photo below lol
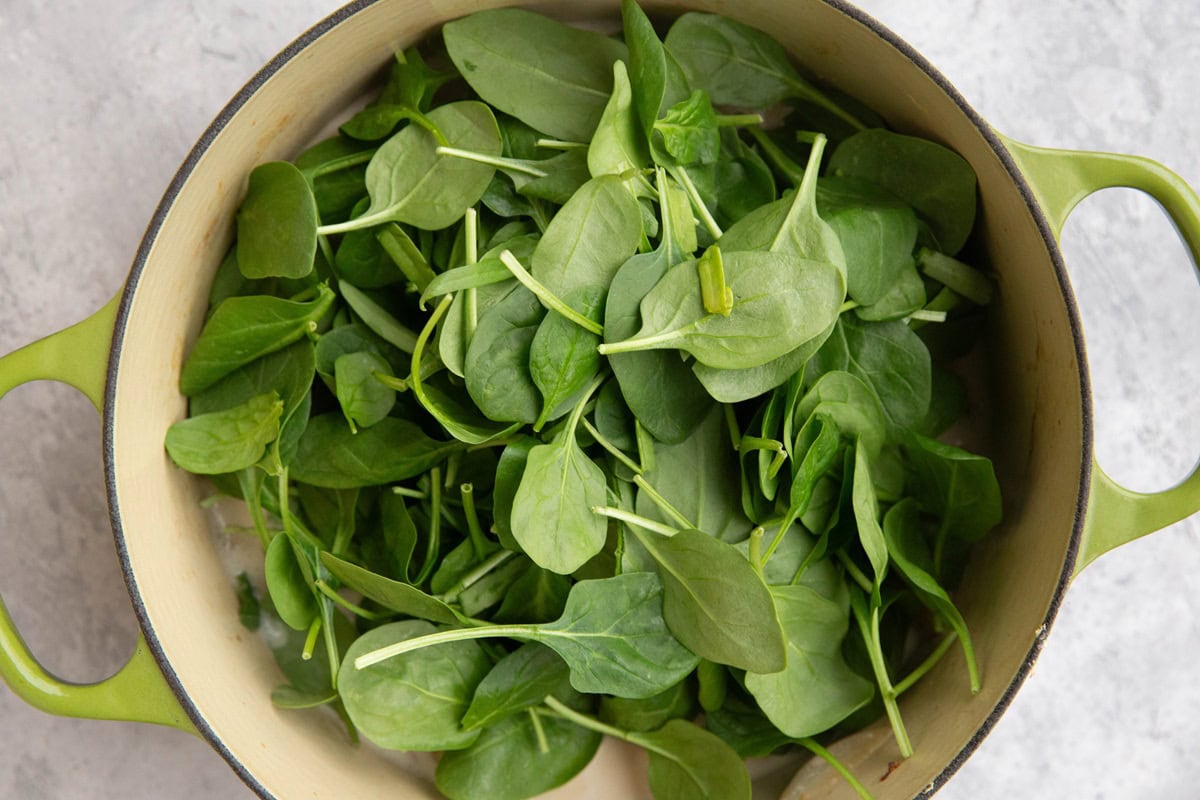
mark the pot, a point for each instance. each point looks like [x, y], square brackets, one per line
[1061, 510]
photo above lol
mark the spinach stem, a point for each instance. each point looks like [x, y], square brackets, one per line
[509, 164]
[838, 767]
[392, 382]
[577, 412]
[849, 305]
[664, 505]
[538, 731]
[251, 492]
[805, 91]
[377, 218]
[782, 161]
[336, 164]
[926, 665]
[756, 555]
[644, 343]
[548, 298]
[645, 445]
[869, 628]
[479, 542]
[925, 315]
[445, 637]
[404, 491]
[613, 450]
[735, 432]
[855, 573]
[635, 519]
[738, 120]
[559, 144]
[357, 610]
[470, 303]
[310, 641]
[582, 720]
[435, 526]
[697, 203]
[475, 575]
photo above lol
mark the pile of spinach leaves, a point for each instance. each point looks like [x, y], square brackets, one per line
[569, 399]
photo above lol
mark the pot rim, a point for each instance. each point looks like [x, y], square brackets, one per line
[183, 174]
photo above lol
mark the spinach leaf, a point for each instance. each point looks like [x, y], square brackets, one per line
[413, 702]
[650, 713]
[689, 763]
[658, 83]
[290, 594]
[589, 238]
[520, 680]
[700, 478]
[243, 329]
[890, 358]
[393, 595]
[377, 318]
[934, 180]
[657, 386]
[552, 515]
[762, 324]
[509, 472]
[409, 92]
[866, 516]
[817, 689]
[877, 233]
[507, 762]
[226, 441]
[539, 595]
[277, 223]
[562, 356]
[907, 549]
[331, 456]
[958, 486]
[410, 182]
[740, 66]
[688, 133]
[618, 146]
[365, 400]
[553, 77]
[497, 359]
[714, 602]
[613, 636]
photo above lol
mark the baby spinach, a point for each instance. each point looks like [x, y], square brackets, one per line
[552, 517]
[753, 471]
[226, 441]
[715, 603]
[937, 182]
[433, 686]
[520, 680]
[243, 329]
[760, 326]
[507, 762]
[409, 182]
[332, 456]
[277, 224]
[553, 77]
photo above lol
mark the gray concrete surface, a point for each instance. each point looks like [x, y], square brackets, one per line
[99, 102]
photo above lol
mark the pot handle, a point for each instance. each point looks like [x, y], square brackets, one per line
[1061, 179]
[138, 692]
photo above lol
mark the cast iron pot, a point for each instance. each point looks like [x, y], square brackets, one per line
[193, 668]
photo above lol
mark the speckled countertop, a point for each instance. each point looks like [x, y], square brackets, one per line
[100, 102]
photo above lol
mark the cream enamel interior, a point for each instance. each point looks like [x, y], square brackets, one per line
[1035, 394]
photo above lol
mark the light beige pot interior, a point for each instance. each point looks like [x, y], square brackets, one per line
[1037, 432]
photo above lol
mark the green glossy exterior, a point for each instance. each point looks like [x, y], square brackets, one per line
[78, 357]
[1061, 179]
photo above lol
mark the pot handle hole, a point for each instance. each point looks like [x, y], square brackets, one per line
[138, 692]
[1060, 180]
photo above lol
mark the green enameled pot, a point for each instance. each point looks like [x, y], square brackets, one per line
[193, 667]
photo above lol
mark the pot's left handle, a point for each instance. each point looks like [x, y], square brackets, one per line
[1061, 179]
[78, 356]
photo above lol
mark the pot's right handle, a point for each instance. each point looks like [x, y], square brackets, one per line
[77, 356]
[1060, 179]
